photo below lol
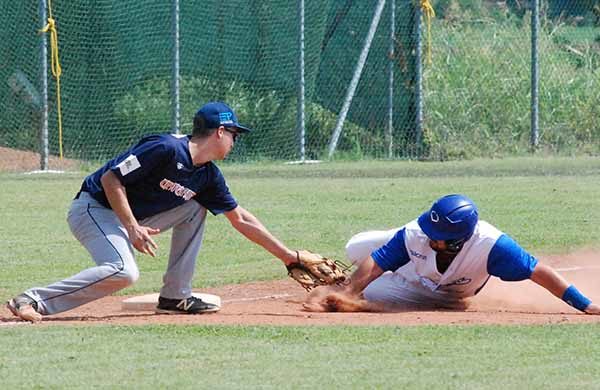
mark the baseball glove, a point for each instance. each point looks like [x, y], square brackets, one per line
[312, 270]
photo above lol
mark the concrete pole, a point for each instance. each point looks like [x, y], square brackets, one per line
[355, 78]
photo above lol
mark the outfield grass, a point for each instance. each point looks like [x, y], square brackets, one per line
[548, 205]
[549, 357]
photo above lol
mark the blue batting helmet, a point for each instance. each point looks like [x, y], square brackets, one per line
[452, 217]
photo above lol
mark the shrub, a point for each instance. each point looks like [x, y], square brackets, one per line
[477, 92]
[147, 107]
[272, 115]
[355, 142]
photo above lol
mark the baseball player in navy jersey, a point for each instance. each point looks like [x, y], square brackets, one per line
[163, 182]
[437, 260]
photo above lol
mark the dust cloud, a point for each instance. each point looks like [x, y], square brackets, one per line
[581, 268]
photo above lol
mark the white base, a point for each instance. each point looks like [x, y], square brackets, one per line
[148, 302]
[46, 171]
[300, 162]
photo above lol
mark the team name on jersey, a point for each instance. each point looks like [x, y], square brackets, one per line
[418, 255]
[177, 189]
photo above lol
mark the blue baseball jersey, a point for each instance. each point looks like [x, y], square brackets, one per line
[487, 252]
[158, 175]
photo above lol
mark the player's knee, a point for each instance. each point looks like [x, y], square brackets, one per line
[123, 275]
[355, 250]
[129, 275]
[361, 245]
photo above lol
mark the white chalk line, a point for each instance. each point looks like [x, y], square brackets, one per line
[275, 296]
[577, 268]
[14, 323]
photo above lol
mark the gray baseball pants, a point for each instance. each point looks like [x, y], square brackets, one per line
[99, 230]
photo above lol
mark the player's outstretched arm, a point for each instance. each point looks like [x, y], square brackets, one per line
[367, 271]
[547, 277]
[247, 224]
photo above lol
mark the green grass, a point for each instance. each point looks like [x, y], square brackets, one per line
[477, 94]
[548, 205]
[318, 207]
[550, 357]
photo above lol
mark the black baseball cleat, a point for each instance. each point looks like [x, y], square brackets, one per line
[191, 305]
[25, 308]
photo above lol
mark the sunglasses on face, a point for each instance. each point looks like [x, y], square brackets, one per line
[234, 133]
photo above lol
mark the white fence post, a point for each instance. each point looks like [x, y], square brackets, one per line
[355, 78]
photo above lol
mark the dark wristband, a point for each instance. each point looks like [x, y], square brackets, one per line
[575, 298]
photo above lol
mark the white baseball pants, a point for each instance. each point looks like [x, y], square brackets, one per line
[398, 288]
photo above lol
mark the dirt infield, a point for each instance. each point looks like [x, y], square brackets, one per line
[279, 303]
[12, 160]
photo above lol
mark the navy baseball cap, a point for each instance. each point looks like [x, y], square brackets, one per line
[216, 114]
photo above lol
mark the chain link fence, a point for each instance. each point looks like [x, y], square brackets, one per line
[512, 77]
[569, 56]
[316, 79]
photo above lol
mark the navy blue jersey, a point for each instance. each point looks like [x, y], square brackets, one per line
[158, 175]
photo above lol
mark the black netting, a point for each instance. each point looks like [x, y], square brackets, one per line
[117, 60]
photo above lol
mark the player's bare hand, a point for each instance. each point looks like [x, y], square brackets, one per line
[593, 309]
[336, 299]
[314, 301]
[140, 237]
